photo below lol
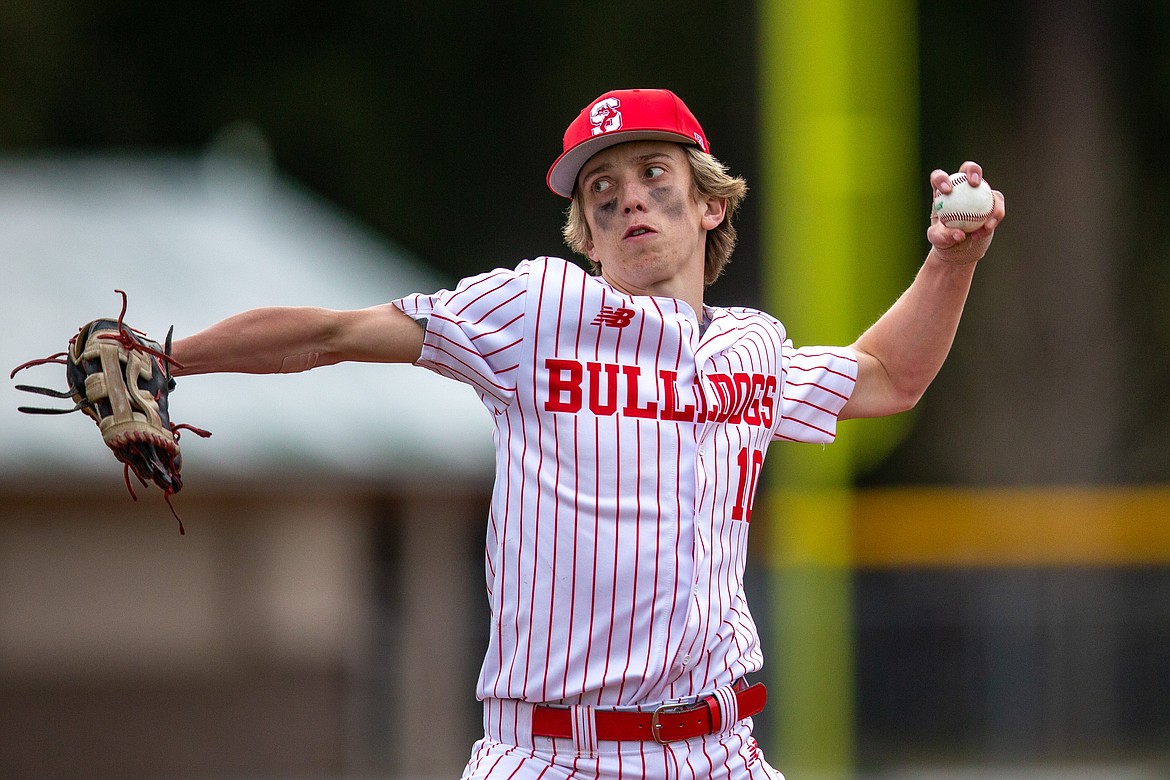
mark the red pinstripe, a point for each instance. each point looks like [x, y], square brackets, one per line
[614, 567]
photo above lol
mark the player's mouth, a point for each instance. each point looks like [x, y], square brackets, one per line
[636, 231]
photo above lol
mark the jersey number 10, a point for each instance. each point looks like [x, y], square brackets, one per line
[750, 462]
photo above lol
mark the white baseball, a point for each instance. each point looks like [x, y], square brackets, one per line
[964, 207]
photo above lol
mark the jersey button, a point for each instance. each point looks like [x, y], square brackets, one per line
[686, 659]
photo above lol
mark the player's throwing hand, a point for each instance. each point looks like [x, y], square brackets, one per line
[949, 242]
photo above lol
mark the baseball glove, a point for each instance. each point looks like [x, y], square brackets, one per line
[122, 380]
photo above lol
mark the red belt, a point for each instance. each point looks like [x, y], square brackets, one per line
[668, 723]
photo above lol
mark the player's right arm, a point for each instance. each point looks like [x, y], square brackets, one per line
[282, 339]
[899, 355]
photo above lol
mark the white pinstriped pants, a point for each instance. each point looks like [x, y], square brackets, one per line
[508, 751]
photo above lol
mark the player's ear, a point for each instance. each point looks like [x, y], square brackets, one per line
[715, 213]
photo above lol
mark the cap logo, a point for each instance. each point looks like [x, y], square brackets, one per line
[605, 117]
[701, 141]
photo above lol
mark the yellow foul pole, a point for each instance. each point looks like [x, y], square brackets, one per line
[842, 237]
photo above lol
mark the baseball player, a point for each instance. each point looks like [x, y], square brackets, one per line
[631, 425]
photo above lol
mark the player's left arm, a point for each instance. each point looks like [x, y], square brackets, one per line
[900, 354]
[286, 339]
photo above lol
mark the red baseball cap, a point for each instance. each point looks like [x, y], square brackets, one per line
[620, 116]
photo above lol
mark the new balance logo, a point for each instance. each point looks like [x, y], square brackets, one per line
[614, 317]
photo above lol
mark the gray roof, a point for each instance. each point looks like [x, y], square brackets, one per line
[192, 240]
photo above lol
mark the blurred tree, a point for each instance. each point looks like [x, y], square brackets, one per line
[1140, 74]
[1069, 321]
[433, 122]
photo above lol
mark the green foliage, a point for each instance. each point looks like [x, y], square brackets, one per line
[434, 122]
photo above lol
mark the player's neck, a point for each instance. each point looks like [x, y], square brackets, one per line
[680, 281]
[667, 289]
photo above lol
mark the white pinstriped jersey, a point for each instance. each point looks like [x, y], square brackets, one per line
[628, 446]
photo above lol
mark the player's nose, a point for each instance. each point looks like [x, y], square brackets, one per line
[633, 197]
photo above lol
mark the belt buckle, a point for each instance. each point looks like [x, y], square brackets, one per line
[656, 723]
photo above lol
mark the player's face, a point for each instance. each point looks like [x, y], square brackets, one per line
[648, 225]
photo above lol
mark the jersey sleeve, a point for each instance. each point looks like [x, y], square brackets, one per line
[817, 383]
[474, 332]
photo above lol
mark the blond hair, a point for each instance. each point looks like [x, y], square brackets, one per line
[711, 180]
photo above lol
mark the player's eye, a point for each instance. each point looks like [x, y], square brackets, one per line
[600, 185]
[654, 171]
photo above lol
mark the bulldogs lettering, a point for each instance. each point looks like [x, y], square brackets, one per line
[606, 389]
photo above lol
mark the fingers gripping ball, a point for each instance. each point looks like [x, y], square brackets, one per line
[121, 380]
[964, 207]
